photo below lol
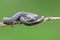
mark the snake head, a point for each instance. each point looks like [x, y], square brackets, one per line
[32, 16]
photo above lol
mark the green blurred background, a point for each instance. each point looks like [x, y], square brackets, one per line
[44, 31]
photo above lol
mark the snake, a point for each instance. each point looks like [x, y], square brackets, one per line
[19, 16]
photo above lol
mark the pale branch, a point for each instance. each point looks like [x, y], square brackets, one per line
[51, 18]
[45, 19]
[14, 23]
[2, 25]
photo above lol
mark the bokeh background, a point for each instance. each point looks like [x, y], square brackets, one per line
[44, 31]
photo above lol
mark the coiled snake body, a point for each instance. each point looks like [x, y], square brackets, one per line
[20, 17]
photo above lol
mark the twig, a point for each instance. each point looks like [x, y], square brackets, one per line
[14, 23]
[46, 19]
[51, 18]
[2, 25]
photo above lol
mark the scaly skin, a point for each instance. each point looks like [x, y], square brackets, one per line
[32, 22]
[17, 16]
